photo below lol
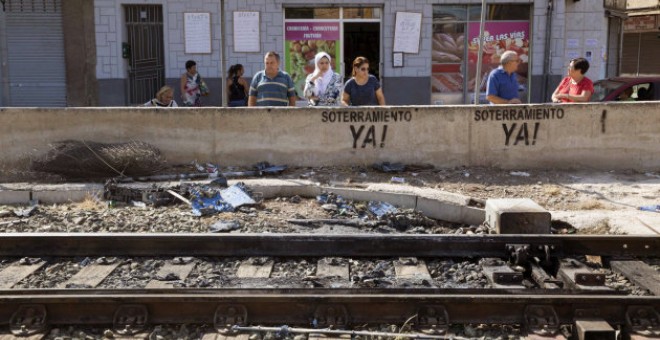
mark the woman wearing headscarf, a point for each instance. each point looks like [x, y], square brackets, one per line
[323, 86]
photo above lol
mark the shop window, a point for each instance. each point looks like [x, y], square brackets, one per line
[311, 13]
[506, 12]
[449, 13]
[362, 13]
[455, 48]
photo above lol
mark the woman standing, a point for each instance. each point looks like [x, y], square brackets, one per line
[323, 86]
[363, 88]
[575, 87]
[237, 87]
[164, 98]
[192, 85]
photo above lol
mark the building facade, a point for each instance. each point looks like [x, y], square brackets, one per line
[119, 52]
[641, 38]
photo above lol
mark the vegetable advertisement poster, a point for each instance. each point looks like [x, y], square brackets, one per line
[302, 41]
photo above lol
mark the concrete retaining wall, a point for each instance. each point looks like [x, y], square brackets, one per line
[599, 136]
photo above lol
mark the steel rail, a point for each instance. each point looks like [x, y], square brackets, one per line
[288, 245]
[277, 308]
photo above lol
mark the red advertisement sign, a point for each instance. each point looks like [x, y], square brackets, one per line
[499, 37]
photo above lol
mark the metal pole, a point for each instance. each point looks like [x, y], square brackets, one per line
[546, 60]
[477, 79]
[223, 55]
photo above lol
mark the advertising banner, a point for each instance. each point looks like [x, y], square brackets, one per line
[499, 37]
[302, 41]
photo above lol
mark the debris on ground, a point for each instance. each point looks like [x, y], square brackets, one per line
[389, 167]
[519, 173]
[259, 169]
[653, 208]
[25, 212]
[207, 200]
[80, 159]
[381, 208]
[225, 226]
[153, 196]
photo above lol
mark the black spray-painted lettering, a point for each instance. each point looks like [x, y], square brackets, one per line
[522, 135]
[513, 114]
[376, 116]
[370, 137]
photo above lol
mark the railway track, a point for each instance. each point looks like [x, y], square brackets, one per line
[429, 282]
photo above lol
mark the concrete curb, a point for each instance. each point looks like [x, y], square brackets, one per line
[432, 202]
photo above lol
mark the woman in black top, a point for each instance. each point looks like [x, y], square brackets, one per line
[363, 88]
[237, 87]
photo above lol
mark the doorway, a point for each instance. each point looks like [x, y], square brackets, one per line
[362, 39]
[146, 61]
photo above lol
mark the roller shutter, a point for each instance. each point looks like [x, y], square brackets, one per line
[35, 44]
[649, 53]
[640, 51]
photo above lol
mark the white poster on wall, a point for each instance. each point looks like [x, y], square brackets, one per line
[246, 32]
[407, 32]
[197, 32]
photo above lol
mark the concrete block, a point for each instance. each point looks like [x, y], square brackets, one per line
[51, 194]
[399, 200]
[517, 216]
[270, 188]
[450, 211]
[14, 197]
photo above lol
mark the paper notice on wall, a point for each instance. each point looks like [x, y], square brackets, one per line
[591, 42]
[570, 55]
[246, 32]
[197, 32]
[407, 31]
[572, 43]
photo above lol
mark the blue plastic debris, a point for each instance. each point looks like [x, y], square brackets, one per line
[266, 168]
[389, 167]
[381, 208]
[207, 200]
[653, 208]
[343, 206]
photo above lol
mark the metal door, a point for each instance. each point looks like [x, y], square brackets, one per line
[146, 71]
[35, 51]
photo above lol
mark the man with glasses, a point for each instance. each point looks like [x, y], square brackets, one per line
[502, 85]
[272, 87]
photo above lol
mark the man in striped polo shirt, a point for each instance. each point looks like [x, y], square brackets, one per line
[272, 87]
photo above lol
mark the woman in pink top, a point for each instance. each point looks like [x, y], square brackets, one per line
[575, 87]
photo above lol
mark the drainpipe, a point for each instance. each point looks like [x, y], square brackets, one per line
[620, 48]
[546, 62]
[223, 54]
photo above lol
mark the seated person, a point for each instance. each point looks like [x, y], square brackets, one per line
[626, 95]
[642, 94]
[164, 98]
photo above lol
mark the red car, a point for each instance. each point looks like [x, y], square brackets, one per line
[626, 89]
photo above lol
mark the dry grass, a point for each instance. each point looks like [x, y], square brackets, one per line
[552, 190]
[590, 204]
[91, 202]
[602, 227]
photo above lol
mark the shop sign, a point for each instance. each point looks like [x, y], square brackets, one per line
[302, 41]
